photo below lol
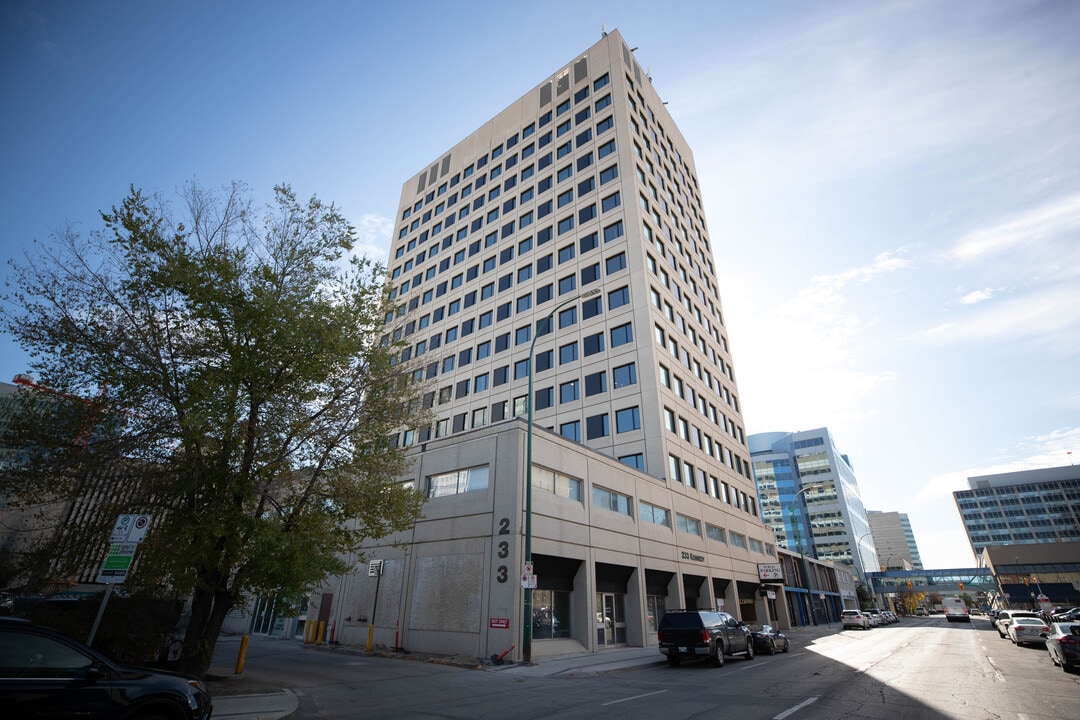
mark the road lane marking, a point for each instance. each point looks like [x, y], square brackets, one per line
[636, 697]
[800, 706]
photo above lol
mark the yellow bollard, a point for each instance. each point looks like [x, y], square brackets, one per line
[370, 633]
[242, 654]
[322, 632]
[309, 628]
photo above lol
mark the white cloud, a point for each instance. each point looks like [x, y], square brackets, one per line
[1030, 453]
[976, 296]
[1049, 316]
[374, 233]
[1046, 222]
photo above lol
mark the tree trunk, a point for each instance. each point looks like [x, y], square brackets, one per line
[208, 611]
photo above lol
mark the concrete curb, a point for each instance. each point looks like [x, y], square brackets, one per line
[264, 706]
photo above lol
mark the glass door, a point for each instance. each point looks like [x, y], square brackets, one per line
[610, 620]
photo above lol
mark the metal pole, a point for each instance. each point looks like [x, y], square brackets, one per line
[100, 613]
[526, 621]
[374, 606]
[798, 541]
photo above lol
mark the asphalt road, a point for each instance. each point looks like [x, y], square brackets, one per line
[920, 669]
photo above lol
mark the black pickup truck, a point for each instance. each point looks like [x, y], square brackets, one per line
[700, 634]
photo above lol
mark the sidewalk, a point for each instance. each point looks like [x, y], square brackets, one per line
[274, 705]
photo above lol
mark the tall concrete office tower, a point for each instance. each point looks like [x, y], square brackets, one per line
[563, 247]
[894, 540]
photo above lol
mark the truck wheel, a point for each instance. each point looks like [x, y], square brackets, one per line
[749, 648]
[717, 658]
[674, 660]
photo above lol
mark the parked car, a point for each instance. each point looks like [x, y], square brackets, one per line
[1027, 630]
[876, 618]
[855, 619]
[1067, 617]
[1005, 617]
[890, 616]
[1063, 644]
[45, 674]
[700, 634]
[1061, 611]
[921, 612]
[768, 639]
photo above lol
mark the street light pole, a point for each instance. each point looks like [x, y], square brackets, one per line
[798, 541]
[526, 622]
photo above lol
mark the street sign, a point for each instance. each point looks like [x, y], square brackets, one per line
[528, 567]
[130, 528]
[374, 568]
[117, 563]
[528, 581]
[770, 571]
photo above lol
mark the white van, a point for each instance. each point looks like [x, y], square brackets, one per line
[955, 609]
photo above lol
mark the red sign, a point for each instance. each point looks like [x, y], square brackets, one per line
[499, 623]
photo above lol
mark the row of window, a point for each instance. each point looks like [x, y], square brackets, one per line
[510, 142]
[546, 480]
[585, 213]
[445, 216]
[685, 473]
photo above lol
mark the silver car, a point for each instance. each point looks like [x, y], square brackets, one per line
[855, 619]
[1005, 618]
[1028, 630]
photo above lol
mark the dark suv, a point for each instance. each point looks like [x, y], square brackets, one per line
[700, 634]
[45, 674]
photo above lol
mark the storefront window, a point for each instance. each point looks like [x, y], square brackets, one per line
[551, 614]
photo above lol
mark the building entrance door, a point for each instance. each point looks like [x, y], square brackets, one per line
[610, 620]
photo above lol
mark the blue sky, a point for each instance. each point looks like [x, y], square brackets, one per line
[892, 188]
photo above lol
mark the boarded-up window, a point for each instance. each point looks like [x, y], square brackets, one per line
[581, 70]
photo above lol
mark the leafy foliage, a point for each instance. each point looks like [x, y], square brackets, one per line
[236, 371]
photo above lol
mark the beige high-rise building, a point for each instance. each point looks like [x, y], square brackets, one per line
[564, 245]
[894, 540]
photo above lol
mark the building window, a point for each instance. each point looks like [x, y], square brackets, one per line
[636, 461]
[613, 501]
[613, 231]
[597, 426]
[571, 430]
[688, 525]
[624, 375]
[653, 514]
[715, 533]
[627, 419]
[737, 540]
[593, 344]
[456, 483]
[615, 263]
[595, 383]
[621, 335]
[569, 391]
[568, 353]
[618, 298]
[557, 484]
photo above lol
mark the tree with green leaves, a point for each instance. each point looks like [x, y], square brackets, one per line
[228, 373]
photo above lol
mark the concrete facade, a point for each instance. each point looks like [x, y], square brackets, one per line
[561, 248]
[894, 540]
